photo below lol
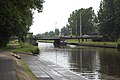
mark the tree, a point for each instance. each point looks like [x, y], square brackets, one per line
[117, 18]
[57, 32]
[87, 18]
[16, 18]
[108, 16]
[51, 34]
[64, 31]
[46, 34]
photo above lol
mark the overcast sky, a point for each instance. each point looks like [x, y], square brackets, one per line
[57, 12]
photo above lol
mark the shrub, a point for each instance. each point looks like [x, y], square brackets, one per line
[26, 47]
[35, 50]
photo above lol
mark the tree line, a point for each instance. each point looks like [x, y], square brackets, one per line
[106, 22]
[109, 19]
[84, 18]
[63, 32]
[72, 28]
[16, 17]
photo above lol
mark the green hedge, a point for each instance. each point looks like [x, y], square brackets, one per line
[26, 47]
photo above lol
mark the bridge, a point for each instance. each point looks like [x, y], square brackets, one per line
[61, 40]
[67, 37]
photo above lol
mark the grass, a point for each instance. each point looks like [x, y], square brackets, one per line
[5, 48]
[26, 47]
[109, 44]
[72, 41]
[21, 50]
[47, 41]
[89, 42]
[2, 48]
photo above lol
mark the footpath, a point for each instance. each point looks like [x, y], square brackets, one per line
[42, 69]
[46, 70]
[7, 66]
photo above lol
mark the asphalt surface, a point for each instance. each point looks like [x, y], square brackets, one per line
[7, 66]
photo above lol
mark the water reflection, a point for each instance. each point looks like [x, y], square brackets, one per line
[92, 63]
[109, 63]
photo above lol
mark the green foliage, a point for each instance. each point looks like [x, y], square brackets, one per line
[103, 44]
[51, 34]
[31, 48]
[57, 32]
[65, 31]
[46, 41]
[26, 47]
[72, 41]
[29, 38]
[109, 19]
[16, 17]
[21, 50]
[34, 49]
[83, 16]
[90, 43]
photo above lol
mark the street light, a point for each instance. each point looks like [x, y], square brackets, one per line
[55, 28]
[80, 25]
[76, 28]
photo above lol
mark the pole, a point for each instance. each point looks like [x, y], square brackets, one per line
[76, 27]
[80, 25]
[55, 28]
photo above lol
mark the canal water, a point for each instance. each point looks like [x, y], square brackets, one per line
[90, 62]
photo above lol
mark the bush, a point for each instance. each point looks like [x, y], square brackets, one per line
[26, 47]
[35, 50]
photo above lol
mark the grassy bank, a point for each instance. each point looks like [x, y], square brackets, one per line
[94, 44]
[46, 41]
[100, 44]
[26, 47]
[87, 42]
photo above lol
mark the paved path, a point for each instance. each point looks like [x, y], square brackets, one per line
[46, 70]
[7, 67]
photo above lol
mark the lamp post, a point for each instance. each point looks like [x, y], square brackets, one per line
[80, 25]
[55, 29]
[76, 28]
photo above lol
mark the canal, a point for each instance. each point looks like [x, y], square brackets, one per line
[90, 62]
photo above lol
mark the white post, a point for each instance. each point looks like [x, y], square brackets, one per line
[76, 27]
[80, 25]
[55, 28]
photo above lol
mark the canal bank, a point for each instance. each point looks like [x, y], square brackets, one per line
[89, 43]
[97, 44]
[47, 70]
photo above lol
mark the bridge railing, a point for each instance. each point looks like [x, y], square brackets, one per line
[74, 37]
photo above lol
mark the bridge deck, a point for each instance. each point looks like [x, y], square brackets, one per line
[78, 37]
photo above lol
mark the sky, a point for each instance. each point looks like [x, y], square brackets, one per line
[56, 13]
